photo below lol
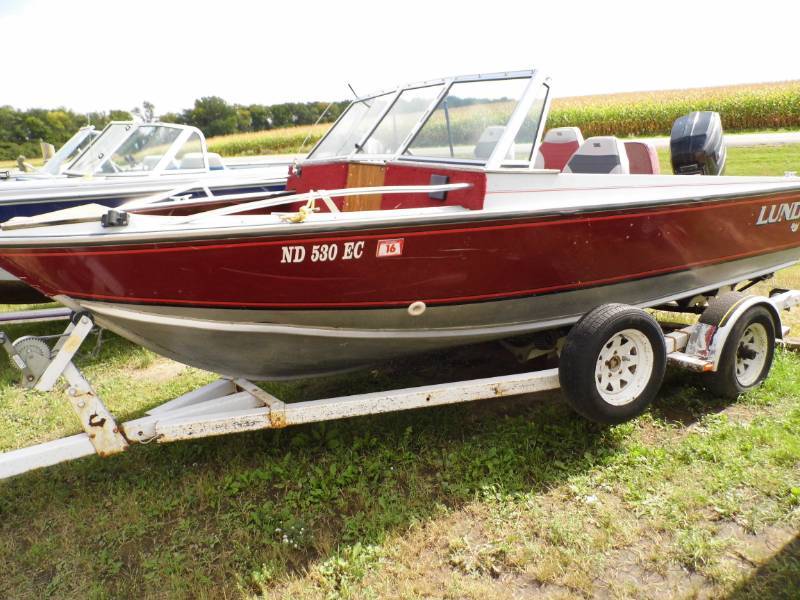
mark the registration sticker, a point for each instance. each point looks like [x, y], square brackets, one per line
[389, 248]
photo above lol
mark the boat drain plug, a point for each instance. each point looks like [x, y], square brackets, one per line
[415, 309]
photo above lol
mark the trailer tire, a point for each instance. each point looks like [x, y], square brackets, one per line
[721, 307]
[613, 363]
[747, 355]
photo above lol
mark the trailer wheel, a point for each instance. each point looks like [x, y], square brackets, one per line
[613, 363]
[746, 357]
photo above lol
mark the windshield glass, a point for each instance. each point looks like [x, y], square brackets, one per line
[404, 115]
[70, 150]
[353, 125]
[109, 139]
[142, 151]
[469, 120]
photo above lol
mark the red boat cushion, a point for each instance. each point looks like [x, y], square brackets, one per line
[642, 158]
[558, 145]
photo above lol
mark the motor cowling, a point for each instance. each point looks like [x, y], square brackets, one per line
[697, 144]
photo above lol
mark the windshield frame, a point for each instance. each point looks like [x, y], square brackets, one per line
[497, 157]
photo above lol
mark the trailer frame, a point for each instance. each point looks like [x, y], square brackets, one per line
[233, 405]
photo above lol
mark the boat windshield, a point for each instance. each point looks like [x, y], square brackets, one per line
[461, 119]
[82, 139]
[110, 138]
[353, 125]
[410, 106]
[469, 120]
[142, 151]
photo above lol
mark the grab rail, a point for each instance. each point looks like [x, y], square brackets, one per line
[321, 194]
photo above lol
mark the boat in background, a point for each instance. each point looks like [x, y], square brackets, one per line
[420, 221]
[56, 163]
[127, 160]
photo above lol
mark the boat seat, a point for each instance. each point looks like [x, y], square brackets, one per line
[215, 162]
[557, 147]
[151, 161]
[600, 155]
[488, 140]
[642, 158]
[194, 160]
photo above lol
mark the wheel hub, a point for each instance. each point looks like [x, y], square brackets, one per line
[624, 367]
[751, 354]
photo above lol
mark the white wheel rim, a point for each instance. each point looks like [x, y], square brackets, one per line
[751, 354]
[624, 367]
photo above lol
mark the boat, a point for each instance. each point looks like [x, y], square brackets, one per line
[420, 221]
[125, 161]
[56, 164]
[128, 160]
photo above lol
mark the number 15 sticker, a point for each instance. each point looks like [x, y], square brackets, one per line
[389, 248]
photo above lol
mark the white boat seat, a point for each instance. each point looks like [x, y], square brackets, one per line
[215, 162]
[600, 155]
[150, 162]
[194, 160]
[557, 147]
[488, 140]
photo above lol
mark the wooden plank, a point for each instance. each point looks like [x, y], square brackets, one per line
[364, 175]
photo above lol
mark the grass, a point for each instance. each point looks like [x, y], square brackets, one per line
[754, 160]
[496, 499]
[12, 164]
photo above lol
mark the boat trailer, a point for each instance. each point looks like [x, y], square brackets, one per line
[232, 405]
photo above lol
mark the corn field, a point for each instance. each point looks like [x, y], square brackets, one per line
[742, 107]
[748, 107]
[287, 140]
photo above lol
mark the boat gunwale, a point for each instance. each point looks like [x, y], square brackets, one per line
[412, 219]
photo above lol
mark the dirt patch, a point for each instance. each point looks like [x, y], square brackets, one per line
[162, 369]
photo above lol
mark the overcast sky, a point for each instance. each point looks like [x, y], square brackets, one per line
[102, 54]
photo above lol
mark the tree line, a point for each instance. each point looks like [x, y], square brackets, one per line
[22, 130]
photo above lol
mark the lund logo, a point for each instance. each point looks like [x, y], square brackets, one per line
[778, 213]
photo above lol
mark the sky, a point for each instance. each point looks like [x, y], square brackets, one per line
[102, 54]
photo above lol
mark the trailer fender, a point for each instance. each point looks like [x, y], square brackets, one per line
[718, 320]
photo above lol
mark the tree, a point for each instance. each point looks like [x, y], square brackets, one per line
[261, 117]
[172, 117]
[212, 115]
[244, 120]
[146, 112]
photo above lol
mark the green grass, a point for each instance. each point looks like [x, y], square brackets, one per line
[754, 160]
[495, 499]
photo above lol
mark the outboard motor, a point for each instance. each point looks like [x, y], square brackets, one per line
[697, 145]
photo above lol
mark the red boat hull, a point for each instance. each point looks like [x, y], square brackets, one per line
[456, 263]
